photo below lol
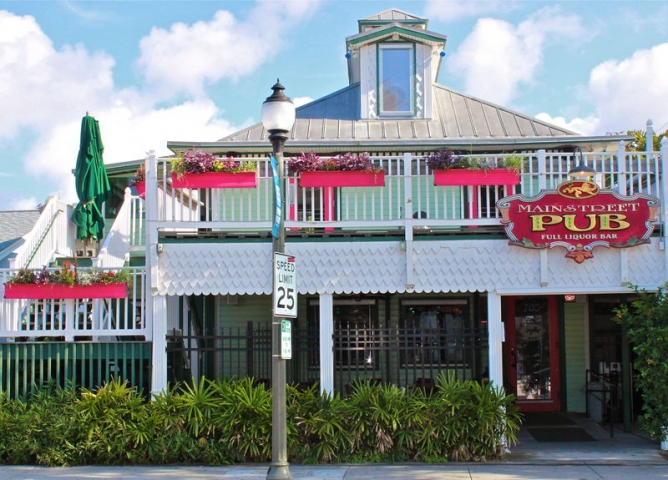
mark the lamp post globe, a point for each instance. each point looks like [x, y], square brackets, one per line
[278, 111]
[278, 117]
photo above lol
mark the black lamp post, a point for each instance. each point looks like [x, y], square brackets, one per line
[580, 170]
[278, 117]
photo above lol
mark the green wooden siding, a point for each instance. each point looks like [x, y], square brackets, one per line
[575, 356]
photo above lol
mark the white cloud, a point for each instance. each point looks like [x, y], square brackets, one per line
[187, 58]
[25, 203]
[127, 134]
[58, 83]
[299, 101]
[450, 10]
[584, 126]
[62, 84]
[498, 57]
[629, 92]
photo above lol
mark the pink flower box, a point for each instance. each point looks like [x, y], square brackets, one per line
[62, 291]
[215, 180]
[342, 178]
[465, 177]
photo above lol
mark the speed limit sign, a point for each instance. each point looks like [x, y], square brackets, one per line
[285, 286]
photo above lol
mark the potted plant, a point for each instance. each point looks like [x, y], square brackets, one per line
[451, 169]
[199, 169]
[347, 170]
[139, 181]
[68, 282]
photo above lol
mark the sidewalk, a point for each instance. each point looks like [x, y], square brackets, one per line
[626, 456]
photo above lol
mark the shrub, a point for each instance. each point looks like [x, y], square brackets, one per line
[217, 422]
[646, 321]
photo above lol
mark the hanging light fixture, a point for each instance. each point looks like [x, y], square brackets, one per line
[580, 170]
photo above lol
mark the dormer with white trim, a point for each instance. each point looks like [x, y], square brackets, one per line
[395, 60]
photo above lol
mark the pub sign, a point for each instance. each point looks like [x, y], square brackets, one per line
[579, 217]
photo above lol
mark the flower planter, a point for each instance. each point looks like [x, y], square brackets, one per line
[60, 291]
[342, 178]
[141, 189]
[215, 180]
[464, 177]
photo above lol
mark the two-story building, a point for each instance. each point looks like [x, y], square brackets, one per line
[397, 282]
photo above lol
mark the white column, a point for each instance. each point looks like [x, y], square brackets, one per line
[326, 342]
[156, 306]
[496, 337]
[158, 313]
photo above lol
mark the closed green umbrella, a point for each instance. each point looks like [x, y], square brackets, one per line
[91, 181]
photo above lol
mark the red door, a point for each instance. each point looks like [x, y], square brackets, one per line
[532, 352]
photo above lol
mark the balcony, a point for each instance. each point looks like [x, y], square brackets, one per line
[409, 201]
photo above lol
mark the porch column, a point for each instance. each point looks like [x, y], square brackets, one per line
[326, 309]
[156, 305]
[496, 337]
[158, 319]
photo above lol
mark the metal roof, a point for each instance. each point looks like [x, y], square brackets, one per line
[459, 121]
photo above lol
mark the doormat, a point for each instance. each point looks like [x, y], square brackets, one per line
[545, 419]
[569, 434]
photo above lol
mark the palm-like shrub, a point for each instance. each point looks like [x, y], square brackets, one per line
[225, 421]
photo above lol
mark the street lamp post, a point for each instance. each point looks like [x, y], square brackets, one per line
[278, 117]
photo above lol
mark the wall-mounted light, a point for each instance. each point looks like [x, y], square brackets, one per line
[580, 170]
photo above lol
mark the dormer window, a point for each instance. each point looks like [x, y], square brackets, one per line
[396, 84]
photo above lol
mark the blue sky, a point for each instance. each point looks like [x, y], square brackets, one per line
[169, 70]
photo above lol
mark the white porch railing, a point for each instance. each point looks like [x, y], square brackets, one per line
[409, 197]
[126, 233]
[53, 234]
[75, 319]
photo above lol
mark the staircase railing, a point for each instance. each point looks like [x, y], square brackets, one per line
[124, 234]
[604, 389]
[51, 235]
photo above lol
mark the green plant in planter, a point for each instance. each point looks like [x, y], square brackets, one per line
[70, 274]
[513, 162]
[445, 159]
[198, 161]
[311, 162]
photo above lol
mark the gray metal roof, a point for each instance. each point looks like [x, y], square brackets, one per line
[333, 123]
[14, 225]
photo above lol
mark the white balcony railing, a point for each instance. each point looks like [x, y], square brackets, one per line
[409, 197]
[75, 319]
[52, 235]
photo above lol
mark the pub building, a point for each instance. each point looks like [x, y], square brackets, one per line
[504, 275]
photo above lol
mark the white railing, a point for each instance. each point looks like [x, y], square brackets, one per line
[408, 199]
[126, 232]
[74, 319]
[52, 234]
